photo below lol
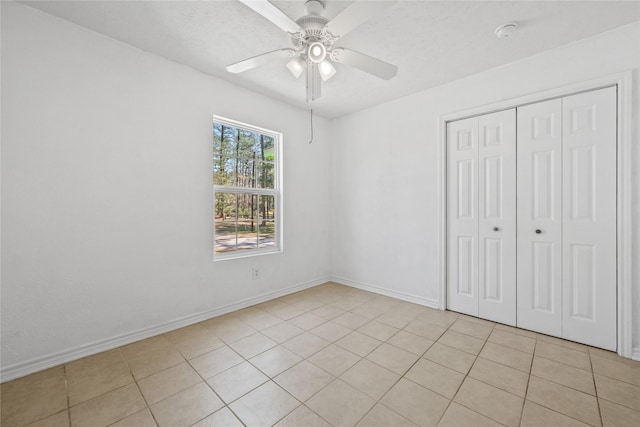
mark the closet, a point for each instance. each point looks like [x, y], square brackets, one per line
[531, 217]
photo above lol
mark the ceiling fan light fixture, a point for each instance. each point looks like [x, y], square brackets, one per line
[316, 52]
[326, 70]
[296, 66]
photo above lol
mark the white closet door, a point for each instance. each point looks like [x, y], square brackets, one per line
[540, 217]
[589, 211]
[462, 217]
[497, 216]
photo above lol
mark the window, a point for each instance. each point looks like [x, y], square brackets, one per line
[246, 189]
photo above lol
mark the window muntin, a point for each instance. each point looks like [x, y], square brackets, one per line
[246, 186]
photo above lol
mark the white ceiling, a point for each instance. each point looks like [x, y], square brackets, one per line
[431, 42]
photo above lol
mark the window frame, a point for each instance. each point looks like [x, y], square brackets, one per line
[276, 192]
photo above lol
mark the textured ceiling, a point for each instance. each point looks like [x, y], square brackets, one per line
[431, 42]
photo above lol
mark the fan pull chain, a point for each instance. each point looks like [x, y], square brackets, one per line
[310, 141]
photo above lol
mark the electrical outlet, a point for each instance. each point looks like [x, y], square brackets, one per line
[256, 273]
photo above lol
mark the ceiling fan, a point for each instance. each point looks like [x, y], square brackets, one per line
[313, 38]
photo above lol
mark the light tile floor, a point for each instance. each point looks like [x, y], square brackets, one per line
[333, 355]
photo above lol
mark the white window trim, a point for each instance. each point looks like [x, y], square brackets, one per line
[276, 191]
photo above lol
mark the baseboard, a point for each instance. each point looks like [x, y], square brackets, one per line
[387, 292]
[635, 354]
[40, 363]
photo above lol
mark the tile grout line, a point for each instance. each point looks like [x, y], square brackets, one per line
[593, 376]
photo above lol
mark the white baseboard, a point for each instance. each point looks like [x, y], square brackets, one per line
[386, 292]
[21, 369]
[635, 354]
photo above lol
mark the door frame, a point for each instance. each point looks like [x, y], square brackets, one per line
[623, 83]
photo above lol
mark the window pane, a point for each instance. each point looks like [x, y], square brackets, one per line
[223, 170]
[246, 173]
[247, 221]
[267, 229]
[225, 222]
[265, 175]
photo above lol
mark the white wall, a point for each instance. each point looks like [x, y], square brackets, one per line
[385, 176]
[107, 198]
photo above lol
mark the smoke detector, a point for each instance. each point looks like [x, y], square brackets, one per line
[505, 30]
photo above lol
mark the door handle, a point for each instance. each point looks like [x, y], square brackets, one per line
[496, 229]
[538, 231]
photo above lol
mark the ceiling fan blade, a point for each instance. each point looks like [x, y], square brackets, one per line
[355, 14]
[256, 61]
[363, 62]
[273, 14]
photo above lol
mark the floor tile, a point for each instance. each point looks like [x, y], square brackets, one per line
[139, 419]
[229, 330]
[150, 356]
[286, 311]
[358, 343]
[490, 401]
[194, 347]
[61, 419]
[328, 312]
[221, 418]
[306, 344]
[186, 407]
[610, 355]
[340, 404]
[95, 362]
[264, 406]
[168, 382]
[253, 345]
[410, 342]
[462, 342]
[371, 310]
[619, 392]
[507, 356]
[262, 321]
[237, 381]
[302, 416]
[471, 328]
[282, 332]
[423, 328]
[216, 361]
[517, 331]
[572, 403]
[563, 343]
[393, 358]
[516, 342]
[276, 360]
[371, 379]
[614, 415]
[435, 377]
[334, 359]
[438, 317]
[330, 331]
[616, 369]
[381, 416]
[419, 405]
[378, 330]
[307, 321]
[500, 376]
[86, 384]
[33, 397]
[351, 320]
[196, 331]
[475, 319]
[108, 408]
[304, 380]
[575, 358]
[396, 317]
[563, 374]
[459, 416]
[457, 360]
[535, 415]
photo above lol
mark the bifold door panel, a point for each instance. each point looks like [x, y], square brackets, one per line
[531, 222]
[481, 225]
[589, 218]
[540, 217]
